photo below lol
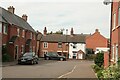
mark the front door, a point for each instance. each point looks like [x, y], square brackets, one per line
[16, 52]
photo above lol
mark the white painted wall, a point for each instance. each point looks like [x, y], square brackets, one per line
[79, 46]
[99, 49]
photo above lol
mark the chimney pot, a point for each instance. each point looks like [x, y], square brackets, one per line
[72, 31]
[97, 30]
[24, 16]
[11, 9]
[45, 31]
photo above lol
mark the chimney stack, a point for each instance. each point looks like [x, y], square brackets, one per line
[96, 30]
[71, 31]
[11, 9]
[24, 16]
[45, 31]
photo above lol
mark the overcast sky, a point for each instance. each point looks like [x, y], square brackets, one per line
[83, 15]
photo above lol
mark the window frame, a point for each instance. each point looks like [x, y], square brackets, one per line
[23, 33]
[18, 32]
[59, 44]
[45, 45]
[5, 28]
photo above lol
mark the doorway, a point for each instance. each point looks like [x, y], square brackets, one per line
[16, 52]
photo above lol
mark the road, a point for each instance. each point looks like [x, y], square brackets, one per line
[51, 69]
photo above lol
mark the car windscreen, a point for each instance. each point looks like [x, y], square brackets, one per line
[28, 54]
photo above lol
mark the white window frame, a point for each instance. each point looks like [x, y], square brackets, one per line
[0, 27]
[116, 54]
[59, 44]
[114, 21]
[45, 52]
[45, 45]
[34, 48]
[34, 36]
[113, 52]
[23, 33]
[5, 28]
[22, 47]
[119, 16]
[31, 35]
[18, 32]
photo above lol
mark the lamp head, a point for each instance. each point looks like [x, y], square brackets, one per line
[106, 2]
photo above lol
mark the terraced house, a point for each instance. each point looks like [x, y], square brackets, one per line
[115, 31]
[17, 34]
[72, 46]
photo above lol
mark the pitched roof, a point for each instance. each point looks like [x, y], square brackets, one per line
[76, 38]
[8, 17]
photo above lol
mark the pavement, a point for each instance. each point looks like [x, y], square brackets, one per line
[13, 63]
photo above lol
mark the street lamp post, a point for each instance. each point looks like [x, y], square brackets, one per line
[66, 43]
[107, 2]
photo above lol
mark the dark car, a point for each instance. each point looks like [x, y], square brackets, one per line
[28, 58]
[54, 56]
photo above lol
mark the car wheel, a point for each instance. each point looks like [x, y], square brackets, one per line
[47, 58]
[61, 59]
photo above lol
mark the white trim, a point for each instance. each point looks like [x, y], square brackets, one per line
[59, 51]
[65, 51]
[45, 44]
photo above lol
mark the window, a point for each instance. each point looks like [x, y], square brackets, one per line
[74, 45]
[18, 32]
[59, 44]
[5, 28]
[113, 52]
[119, 17]
[33, 48]
[34, 36]
[23, 33]
[45, 45]
[22, 49]
[114, 20]
[0, 27]
[45, 52]
[31, 35]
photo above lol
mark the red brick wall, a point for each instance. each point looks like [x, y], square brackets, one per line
[115, 32]
[106, 59]
[12, 31]
[96, 40]
[52, 47]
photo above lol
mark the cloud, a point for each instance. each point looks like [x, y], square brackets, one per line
[84, 17]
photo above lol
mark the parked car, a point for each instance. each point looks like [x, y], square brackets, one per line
[28, 58]
[54, 56]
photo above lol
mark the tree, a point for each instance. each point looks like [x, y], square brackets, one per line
[99, 60]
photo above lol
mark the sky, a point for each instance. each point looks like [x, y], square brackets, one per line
[84, 16]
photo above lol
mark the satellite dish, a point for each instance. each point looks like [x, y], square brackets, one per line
[106, 2]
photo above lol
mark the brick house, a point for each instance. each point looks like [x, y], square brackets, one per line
[96, 40]
[115, 32]
[59, 43]
[17, 35]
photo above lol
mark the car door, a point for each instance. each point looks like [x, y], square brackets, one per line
[55, 56]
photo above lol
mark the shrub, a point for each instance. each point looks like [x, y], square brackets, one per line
[97, 68]
[99, 60]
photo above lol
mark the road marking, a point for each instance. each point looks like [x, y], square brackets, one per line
[68, 72]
